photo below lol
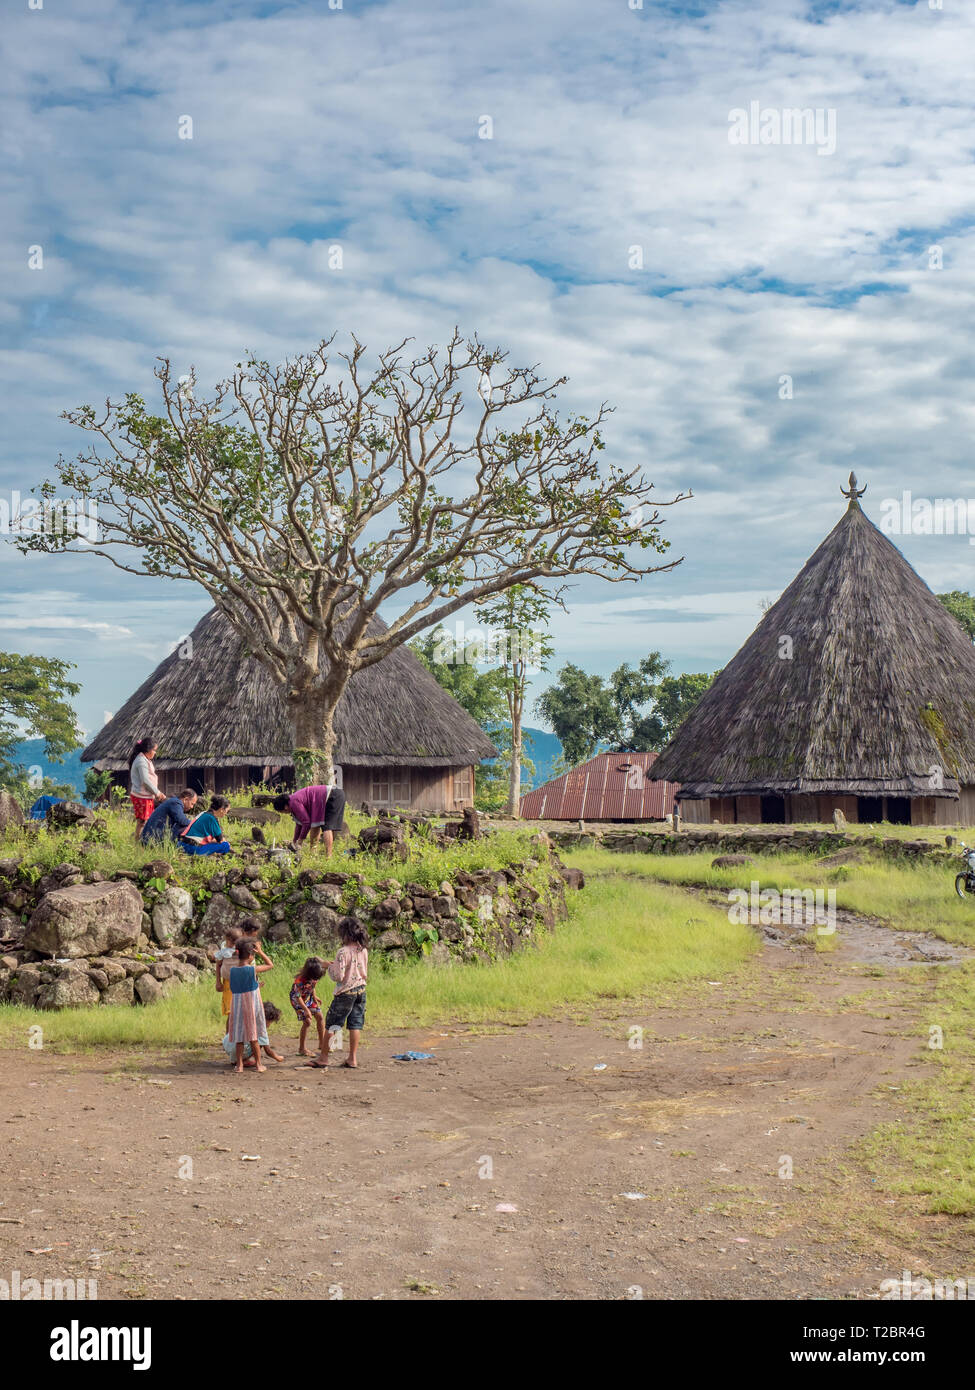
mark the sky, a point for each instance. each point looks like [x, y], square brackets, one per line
[763, 316]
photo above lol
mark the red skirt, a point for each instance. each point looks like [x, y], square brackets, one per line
[143, 807]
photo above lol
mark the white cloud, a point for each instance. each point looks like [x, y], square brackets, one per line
[315, 127]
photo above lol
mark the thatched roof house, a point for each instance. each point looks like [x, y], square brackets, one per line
[856, 691]
[220, 722]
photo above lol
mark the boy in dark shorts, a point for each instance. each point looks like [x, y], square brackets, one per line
[349, 970]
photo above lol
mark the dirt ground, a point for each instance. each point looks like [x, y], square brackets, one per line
[386, 1182]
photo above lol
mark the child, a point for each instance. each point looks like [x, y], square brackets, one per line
[247, 1022]
[250, 930]
[227, 952]
[271, 1015]
[349, 970]
[305, 1003]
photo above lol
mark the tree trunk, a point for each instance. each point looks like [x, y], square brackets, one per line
[514, 780]
[313, 718]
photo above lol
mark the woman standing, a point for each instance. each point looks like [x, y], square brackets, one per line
[143, 787]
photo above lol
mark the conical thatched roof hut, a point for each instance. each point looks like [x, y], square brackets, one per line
[855, 692]
[220, 722]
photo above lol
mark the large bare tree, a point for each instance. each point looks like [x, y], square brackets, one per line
[305, 496]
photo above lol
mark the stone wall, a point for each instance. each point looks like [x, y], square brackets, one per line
[76, 937]
[766, 839]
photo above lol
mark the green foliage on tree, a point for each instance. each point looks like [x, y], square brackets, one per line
[961, 605]
[306, 497]
[492, 781]
[34, 695]
[638, 709]
[512, 644]
[673, 698]
[581, 711]
[454, 666]
[97, 784]
[517, 625]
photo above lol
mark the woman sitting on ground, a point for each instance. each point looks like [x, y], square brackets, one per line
[204, 834]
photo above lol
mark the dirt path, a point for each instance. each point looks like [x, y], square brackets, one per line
[369, 1183]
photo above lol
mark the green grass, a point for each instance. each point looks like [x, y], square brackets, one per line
[875, 832]
[621, 941]
[917, 897]
[429, 863]
[930, 1152]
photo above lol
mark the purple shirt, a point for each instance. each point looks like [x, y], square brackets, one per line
[308, 808]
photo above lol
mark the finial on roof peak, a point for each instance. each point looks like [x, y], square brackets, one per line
[854, 492]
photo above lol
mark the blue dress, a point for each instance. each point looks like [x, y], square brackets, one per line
[247, 1020]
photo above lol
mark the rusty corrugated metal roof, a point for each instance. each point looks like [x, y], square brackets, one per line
[610, 786]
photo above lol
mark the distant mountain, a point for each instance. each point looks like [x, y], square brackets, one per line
[543, 750]
[30, 752]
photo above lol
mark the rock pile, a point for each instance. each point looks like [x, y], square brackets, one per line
[764, 839]
[78, 937]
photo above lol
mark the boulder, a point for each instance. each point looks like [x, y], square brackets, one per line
[67, 987]
[317, 922]
[184, 971]
[11, 927]
[388, 941]
[9, 867]
[438, 954]
[330, 894]
[243, 897]
[221, 913]
[61, 876]
[172, 913]
[254, 815]
[157, 868]
[162, 970]
[387, 909]
[572, 878]
[282, 858]
[65, 815]
[147, 989]
[24, 985]
[87, 919]
[385, 837]
[468, 828]
[11, 816]
[113, 970]
[132, 967]
[119, 992]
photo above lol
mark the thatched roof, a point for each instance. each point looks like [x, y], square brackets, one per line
[878, 696]
[222, 709]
